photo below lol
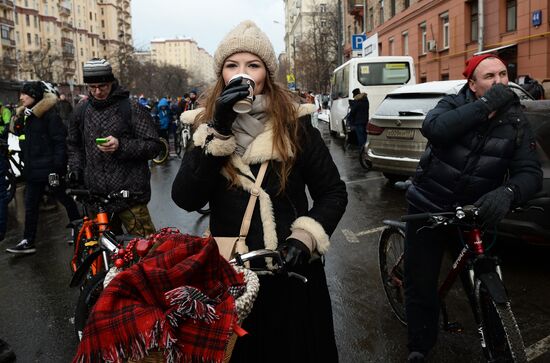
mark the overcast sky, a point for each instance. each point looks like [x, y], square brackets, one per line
[205, 21]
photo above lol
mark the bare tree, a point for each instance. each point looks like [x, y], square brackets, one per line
[316, 51]
[44, 63]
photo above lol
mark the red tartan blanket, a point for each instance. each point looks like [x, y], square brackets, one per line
[178, 300]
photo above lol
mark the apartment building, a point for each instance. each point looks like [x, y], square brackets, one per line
[52, 39]
[186, 54]
[441, 34]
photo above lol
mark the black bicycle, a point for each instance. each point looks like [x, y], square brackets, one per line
[499, 334]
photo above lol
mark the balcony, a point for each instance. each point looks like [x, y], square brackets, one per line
[66, 41]
[69, 69]
[7, 21]
[8, 43]
[6, 4]
[68, 54]
[9, 62]
[65, 25]
[356, 8]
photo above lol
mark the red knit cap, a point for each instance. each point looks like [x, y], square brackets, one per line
[472, 63]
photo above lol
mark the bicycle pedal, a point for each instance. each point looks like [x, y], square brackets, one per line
[454, 327]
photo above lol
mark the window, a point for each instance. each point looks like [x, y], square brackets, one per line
[16, 16]
[323, 8]
[103, 23]
[405, 43]
[5, 32]
[383, 73]
[81, 52]
[381, 12]
[29, 39]
[511, 15]
[392, 8]
[445, 30]
[102, 13]
[27, 20]
[17, 37]
[26, 3]
[474, 21]
[91, 16]
[445, 77]
[423, 45]
[93, 42]
[36, 41]
[406, 4]
[390, 46]
[45, 10]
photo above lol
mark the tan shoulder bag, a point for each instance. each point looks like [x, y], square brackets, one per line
[229, 245]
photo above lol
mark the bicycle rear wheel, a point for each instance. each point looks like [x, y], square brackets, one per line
[390, 258]
[87, 299]
[501, 337]
[177, 144]
[163, 154]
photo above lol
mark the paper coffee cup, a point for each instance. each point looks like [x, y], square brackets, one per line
[245, 105]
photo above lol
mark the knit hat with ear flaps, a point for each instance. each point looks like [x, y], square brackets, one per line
[246, 37]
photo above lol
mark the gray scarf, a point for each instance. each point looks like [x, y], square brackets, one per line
[249, 125]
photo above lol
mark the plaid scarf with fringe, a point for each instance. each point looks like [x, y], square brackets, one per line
[180, 300]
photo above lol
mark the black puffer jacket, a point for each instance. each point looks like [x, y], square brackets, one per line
[44, 150]
[127, 168]
[469, 155]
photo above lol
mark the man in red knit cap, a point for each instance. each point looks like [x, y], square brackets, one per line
[481, 151]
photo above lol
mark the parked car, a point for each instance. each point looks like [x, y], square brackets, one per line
[395, 145]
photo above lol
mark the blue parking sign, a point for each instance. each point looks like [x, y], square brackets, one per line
[357, 41]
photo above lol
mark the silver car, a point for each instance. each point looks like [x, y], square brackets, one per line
[395, 143]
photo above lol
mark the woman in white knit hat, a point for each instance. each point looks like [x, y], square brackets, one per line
[291, 321]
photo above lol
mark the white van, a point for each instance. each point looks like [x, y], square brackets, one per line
[375, 76]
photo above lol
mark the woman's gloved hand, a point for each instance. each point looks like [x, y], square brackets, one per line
[224, 116]
[494, 205]
[294, 252]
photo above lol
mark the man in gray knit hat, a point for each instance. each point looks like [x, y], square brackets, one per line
[111, 138]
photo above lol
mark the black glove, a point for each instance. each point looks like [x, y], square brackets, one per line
[294, 252]
[497, 96]
[494, 205]
[224, 116]
[75, 178]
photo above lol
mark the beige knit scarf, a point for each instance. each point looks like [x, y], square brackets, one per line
[249, 125]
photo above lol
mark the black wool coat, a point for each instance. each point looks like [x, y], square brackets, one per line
[44, 149]
[469, 154]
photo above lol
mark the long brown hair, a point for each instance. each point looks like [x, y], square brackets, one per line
[284, 114]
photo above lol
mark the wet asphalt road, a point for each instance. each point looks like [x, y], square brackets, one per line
[36, 304]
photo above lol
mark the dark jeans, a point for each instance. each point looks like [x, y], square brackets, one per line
[3, 196]
[33, 193]
[361, 135]
[423, 254]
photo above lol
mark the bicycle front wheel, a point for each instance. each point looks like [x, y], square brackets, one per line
[500, 334]
[391, 248]
[87, 299]
[177, 144]
[163, 154]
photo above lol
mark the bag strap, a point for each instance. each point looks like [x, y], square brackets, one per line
[254, 193]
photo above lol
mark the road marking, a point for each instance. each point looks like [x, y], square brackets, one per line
[352, 237]
[538, 349]
[361, 180]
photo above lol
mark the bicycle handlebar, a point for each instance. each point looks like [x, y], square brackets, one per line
[122, 194]
[460, 213]
[239, 260]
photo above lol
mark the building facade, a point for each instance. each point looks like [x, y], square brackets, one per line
[52, 39]
[441, 34]
[186, 54]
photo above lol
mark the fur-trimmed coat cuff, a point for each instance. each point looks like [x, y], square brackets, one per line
[204, 137]
[316, 230]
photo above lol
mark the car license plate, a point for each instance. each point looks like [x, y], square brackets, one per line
[407, 134]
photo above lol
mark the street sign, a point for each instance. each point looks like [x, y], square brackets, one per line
[290, 78]
[357, 41]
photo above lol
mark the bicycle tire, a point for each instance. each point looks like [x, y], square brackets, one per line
[11, 183]
[500, 331]
[87, 299]
[163, 154]
[177, 144]
[390, 261]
